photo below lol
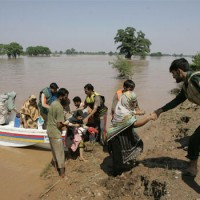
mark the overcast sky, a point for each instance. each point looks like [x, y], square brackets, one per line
[172, 26]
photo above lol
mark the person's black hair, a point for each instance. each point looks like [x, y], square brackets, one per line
[62, 92]
[89, 87]
[53, 86]
[76, 99]
[79, 113]
[181, 63]
[129, 84]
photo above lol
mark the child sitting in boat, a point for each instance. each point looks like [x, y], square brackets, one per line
[29, 113]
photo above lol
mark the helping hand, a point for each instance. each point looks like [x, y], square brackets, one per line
[153, 116]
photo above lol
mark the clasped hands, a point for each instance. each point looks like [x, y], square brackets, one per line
[155, 115]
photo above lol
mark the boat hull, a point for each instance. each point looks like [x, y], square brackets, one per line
[21, 137]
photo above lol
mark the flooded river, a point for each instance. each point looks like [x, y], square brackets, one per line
[21, 167]
[28, 75]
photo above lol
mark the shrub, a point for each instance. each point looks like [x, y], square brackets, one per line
[196, 62]
[123, 66]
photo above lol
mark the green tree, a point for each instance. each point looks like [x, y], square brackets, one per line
[157, 54]
[132, 42]
[13, 49]
[70, 51]
[2, 49]
[38, 51]
[110, 53]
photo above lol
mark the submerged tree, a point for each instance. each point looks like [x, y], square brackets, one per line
[156, 54]
[123, 66]
[13, 49]
[132, 42]
[2, 49]
[70, 51]
[38, 50]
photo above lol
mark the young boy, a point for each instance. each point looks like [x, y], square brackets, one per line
[78, 103]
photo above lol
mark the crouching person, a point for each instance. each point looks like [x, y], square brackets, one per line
[54, 130]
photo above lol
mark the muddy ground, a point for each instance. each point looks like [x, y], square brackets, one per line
[156, 175]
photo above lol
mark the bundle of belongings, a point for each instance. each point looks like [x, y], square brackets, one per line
[7, 108]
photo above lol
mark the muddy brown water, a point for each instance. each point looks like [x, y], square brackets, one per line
[21, 167]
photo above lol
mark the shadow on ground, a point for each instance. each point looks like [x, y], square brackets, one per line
[170, 164]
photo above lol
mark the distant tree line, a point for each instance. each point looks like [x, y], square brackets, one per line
[14, 49]
[72, 51]
[157, 54]
[38, 51]
[132, 43]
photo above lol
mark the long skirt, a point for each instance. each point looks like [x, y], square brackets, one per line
[124, 147]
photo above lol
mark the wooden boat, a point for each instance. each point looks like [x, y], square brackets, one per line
[21, 137]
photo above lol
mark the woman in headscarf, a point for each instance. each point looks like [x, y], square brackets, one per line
[123, 142]
[30, 113]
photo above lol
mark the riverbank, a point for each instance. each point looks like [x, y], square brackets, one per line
[157, 174]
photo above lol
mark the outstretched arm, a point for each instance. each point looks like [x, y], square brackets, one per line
[180, 98]
[144, 120]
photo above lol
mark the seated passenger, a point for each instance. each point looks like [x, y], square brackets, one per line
[30, 113]
[78, 103]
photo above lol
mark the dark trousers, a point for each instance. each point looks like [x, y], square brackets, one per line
[194, 145]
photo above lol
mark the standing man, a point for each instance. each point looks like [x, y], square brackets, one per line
[98, 111]
[191, 91]
[46, 97]
[54, 130]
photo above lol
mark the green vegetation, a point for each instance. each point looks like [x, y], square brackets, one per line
[196, 62]
[38, 51]
[132, 42]
[2, 49]
[123, 66]
[71, 51]
[12, 50]
[156, 54]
